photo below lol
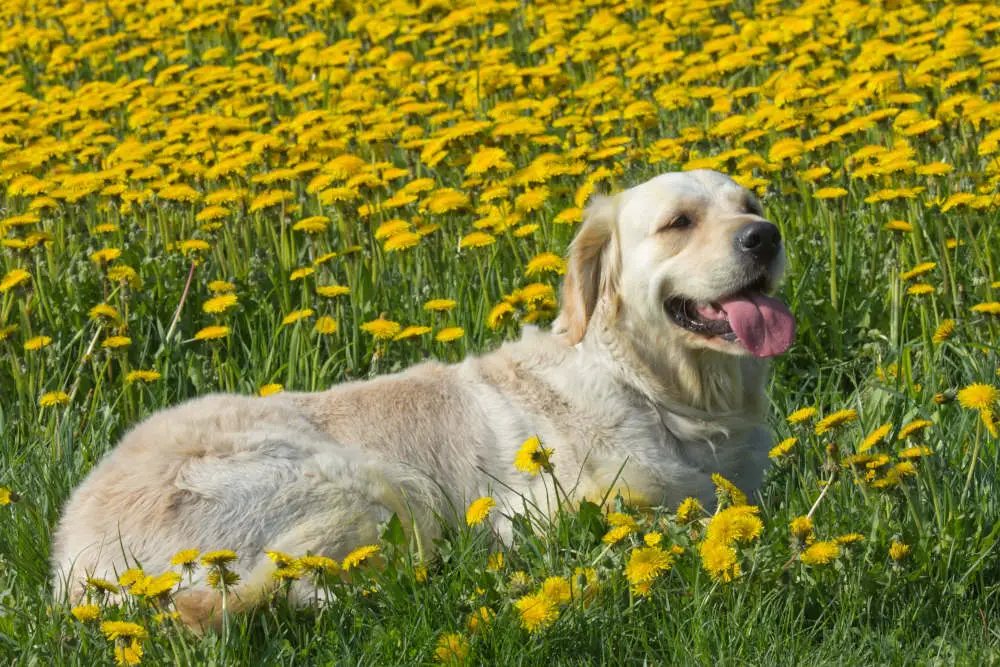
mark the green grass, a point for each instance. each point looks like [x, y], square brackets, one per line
[864, 342]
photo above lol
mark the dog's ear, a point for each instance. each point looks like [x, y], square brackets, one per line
[592, 271]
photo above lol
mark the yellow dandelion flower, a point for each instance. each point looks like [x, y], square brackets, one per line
[499, 314]
[103, 310]
[480, 619]
[53, 398]
[622, 519]
[835, 420]
[495, 561]
[112, 342]
[801, 415]
[37, 343]
[130, 654]
[537, 611]
[569, 216]
[101, 585]
[180, 192]
[211, 213]
[381, 329]
[412, 331]
[326, 325]
[142, 376]
[486, 159]
[401, 241]
[728, 489]
[160, 585]
[219, 286]
[268, 389]
[187, 558]
[105, 256]
[546, 262]
[449, 334]
[331, 291]
[898, 551]
[820, 553]
[391, 228]
[452, 648]
[532, 199]
[990, 422]
[476, 240]
[219, 304]
[978, 396]
[440, 305]
[830, 193]
[478, 510]
[617, 534]
[919, 289]
[719, 560]
[735, 524]
[213, 332]
[652, 538]
[359, 556]
[312, 225]
[220, 578]
[532, 457]
[300, 273]
[219, 557]
[647, 563]
[988, 307]
[782, 448]
[557, 589]
[875, 437]
[689, 510]
[124, 274]
[296, 315]
[123, 630]
[915, 452]
[86, 613]
[918, 270]
[898, 226]
[801, 528]
[944, 331]
[319, 564]
[13, 278]
[194, 245]
[912, 428]
[849, 538]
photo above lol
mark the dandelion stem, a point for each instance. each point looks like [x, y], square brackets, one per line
[180, 304]
[972, 464]
[822, 493]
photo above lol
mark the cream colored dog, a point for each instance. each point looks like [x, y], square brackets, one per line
[652, 380]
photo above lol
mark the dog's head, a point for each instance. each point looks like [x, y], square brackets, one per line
[688, 257]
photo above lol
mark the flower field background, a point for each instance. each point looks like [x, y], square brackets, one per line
[203, 196]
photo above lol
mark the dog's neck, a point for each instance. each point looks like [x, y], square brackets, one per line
[702, 384]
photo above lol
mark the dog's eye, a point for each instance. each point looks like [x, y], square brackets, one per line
[681, 222]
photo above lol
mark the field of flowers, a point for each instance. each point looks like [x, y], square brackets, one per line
[203, 195]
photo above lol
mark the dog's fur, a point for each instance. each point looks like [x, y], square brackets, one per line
[628, 401]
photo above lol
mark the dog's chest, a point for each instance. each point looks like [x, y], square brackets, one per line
[649, 464]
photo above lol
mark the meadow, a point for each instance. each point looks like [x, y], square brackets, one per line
[208, 195]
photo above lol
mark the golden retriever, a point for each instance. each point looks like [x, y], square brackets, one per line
[651, 380]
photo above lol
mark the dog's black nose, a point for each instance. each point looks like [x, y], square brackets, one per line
[761, 240]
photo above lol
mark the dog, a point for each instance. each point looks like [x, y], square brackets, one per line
[651, 380]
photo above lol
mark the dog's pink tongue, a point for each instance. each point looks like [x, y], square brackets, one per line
[763, 324]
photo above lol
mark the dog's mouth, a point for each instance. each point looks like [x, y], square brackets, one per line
[763, 324]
